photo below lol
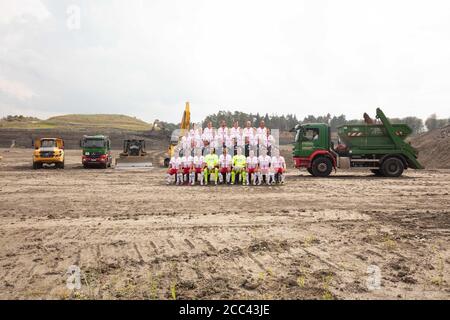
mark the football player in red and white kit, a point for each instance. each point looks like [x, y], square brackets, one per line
[174, 168]
[225, 166]
[264, 167]
[279, 166]
[197, 169]
[235, 131]
[252, 168]
[186, 165]
[248, 130]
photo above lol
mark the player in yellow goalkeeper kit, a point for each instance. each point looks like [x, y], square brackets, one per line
[211, 166]
[239, 164]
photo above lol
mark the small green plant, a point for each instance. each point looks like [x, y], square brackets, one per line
[301, 280]
[438, 280]
[173, 290]
[327, 295]
[309, 240]
[389, 244]
[262, 276]
[153, 283]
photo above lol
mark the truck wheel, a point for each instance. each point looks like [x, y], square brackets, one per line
[61, 165]
[310, 171]
[392, 167]
[321, 167]
[35, 165]
[377, 172]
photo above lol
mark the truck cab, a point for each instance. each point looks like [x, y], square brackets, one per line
[49, 151]
[96, 151]
[377, 146]
[312, 149]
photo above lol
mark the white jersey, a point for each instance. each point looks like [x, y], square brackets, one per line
[185, 142]
[198, 143]
[228, 142]
[186, 162]
[276, 162]
[206, 137]
[233, 140]
[261, 131]
[215, 142]
[222, 132]
[235, 132]
[264, 162]
[225, 161]
[267, 141]
[248, 132]
[281, 161]
[251, 140]
[208, 134]
[252, 162]
[199, 161]
[175, 163]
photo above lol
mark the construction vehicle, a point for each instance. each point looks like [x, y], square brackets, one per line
[178, 134]
[133, 155]
[376, 146]
[96, 151]
[48, 151]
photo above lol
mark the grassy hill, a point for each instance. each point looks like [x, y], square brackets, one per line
[79, 121]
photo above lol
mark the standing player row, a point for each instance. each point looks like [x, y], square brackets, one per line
[248, 137]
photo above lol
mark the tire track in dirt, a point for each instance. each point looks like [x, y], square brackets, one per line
[250, 242]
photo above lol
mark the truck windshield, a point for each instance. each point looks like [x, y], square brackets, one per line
[94, 143]
[48, 143]
[311, 134]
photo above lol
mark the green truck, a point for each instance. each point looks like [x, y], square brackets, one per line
[96, 151]
[379, 147]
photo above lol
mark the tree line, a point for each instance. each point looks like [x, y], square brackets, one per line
[287, 122]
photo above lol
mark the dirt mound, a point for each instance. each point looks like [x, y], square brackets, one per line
[77, 122]
[434, 148]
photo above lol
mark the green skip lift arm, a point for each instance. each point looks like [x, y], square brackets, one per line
[406, 149]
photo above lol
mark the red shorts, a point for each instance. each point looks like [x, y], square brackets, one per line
[172, 171]
[251, 170]
[198, 170]
[279, 170]
[225, 170]
[186, 170]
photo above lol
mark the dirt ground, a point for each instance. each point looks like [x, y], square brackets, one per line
[134, 237]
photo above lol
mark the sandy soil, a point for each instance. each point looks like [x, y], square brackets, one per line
[134, 237]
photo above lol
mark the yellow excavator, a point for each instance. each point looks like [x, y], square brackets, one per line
[178, 134]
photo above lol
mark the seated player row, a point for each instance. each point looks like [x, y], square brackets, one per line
[227, 169]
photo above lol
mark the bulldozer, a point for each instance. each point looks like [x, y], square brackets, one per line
[178, 134]
[133, 155]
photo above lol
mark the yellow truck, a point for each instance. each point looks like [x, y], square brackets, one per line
[48, 151]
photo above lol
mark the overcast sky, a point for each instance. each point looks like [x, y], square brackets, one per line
[146, 58]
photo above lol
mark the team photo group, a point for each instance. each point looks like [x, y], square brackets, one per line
[246, 156]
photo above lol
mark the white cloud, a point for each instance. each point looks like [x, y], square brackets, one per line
[146, 58]
[20, 10]
[16, 89]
